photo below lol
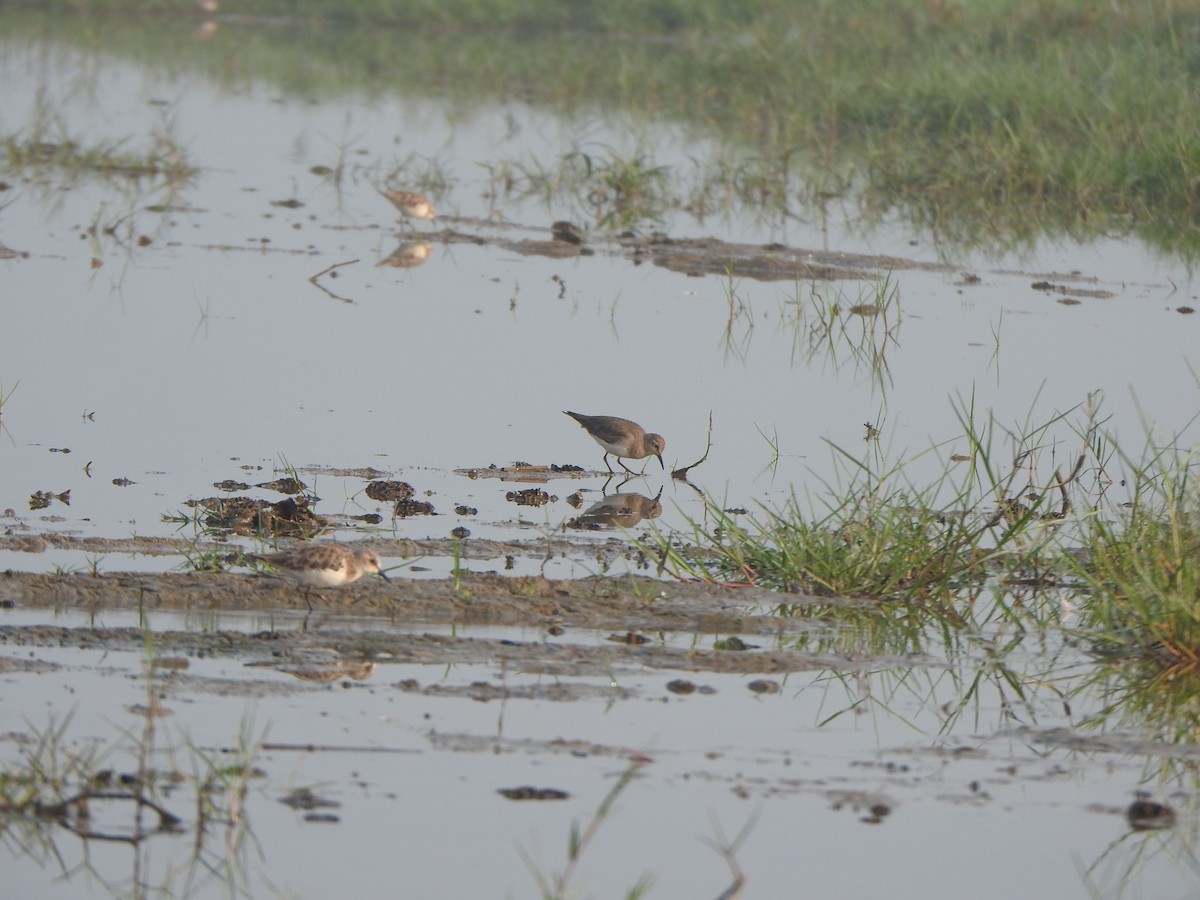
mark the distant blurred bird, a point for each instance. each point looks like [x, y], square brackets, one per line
[413, 204]
[566, 232]
[354, 670]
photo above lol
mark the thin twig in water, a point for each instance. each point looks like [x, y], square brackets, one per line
[328, 269]
[681, 474]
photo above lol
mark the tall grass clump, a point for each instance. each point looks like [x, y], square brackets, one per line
[1141, 571]
[878, 539]
[1138, 574]
[876, 532]
[872, 543]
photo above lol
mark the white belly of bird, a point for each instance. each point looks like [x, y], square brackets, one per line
[614, 449]
[322, 577]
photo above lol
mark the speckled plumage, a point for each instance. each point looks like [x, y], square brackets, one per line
[324, 565]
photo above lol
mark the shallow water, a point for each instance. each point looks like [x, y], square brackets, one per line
[398, 750]
[207, 354]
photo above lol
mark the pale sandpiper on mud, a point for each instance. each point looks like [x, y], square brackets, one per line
[323, 565]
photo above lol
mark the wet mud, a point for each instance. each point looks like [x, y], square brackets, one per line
[335, 641]
[704, 256]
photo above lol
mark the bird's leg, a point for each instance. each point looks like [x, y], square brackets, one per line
[625, 467]
[607, 463]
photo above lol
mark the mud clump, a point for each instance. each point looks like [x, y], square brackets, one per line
[284, 485]
[390, 491]
[406, 508]
[290, 517]
[529, 497]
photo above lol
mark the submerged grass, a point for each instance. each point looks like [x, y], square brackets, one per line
[1035, 535]
[988, 125]
[829, 323]
[62, 784]
[1141, 569]
[162, 160]
[877, 534]
[6, 395]
[559, 887]
[48, 143]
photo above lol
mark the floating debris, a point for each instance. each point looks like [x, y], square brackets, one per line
[733, 643]
[628, 637]
[529, 497]
[304, 798]
[681, 686]
[532, 793]
[42, 499]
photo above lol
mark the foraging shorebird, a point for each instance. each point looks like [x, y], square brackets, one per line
[323, 565]
[413, 204]
[621, 438]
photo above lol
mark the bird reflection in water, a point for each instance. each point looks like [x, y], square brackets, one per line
[408, 256]
[353, 670]
[617, 511]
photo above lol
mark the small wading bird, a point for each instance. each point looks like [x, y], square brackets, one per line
[621, 438]
[323, 565]
[566, 233]
[413, 204]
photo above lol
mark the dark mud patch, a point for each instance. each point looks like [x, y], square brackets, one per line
[711, 256]
[763, 262]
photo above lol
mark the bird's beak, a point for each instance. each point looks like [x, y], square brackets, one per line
[383, 575]
[660, 462]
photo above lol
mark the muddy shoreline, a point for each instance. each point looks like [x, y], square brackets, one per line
[565, 617]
